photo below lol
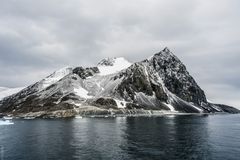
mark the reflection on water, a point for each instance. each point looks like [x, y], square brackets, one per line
[101, 137]
[167, 137]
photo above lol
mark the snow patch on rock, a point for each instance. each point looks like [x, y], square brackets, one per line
[81, 92]
[217, 108]
[192, 104]
[146, 99]
[120, 104]
[170, 107]
[112, 65]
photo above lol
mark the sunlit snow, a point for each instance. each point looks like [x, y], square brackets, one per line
[82, 92]
[118, 65]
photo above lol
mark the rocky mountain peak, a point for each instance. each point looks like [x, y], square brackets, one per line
[106, 62]
[166, 55]
[176, 77]
[166, 49]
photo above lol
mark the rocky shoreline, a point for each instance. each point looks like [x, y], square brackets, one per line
[96, 112]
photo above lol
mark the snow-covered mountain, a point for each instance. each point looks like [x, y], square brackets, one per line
[115, 86]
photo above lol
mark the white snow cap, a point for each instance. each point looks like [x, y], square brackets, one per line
[82, 92]
[112, 65]
[56, 76]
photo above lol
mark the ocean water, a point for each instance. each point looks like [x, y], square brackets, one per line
[168, 137]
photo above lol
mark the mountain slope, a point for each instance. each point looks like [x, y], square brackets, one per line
[115, 86]
[4, 92]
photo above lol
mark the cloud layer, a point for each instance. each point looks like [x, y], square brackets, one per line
[38, 37]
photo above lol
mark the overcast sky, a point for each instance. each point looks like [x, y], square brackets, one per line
[38, 37]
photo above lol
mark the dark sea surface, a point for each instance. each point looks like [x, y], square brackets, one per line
[168, 137]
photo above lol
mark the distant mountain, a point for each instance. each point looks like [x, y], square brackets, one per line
[4, 91]
[115, 86]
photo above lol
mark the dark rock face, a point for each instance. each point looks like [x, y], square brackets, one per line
[227, 108]
[85, 72]
[105, 103]
[106, 62]
[140, 78]
[13, 102]
[176, 78]
[35, 99]
[35, 104]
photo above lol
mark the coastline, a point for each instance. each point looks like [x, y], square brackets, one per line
[97, 112]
